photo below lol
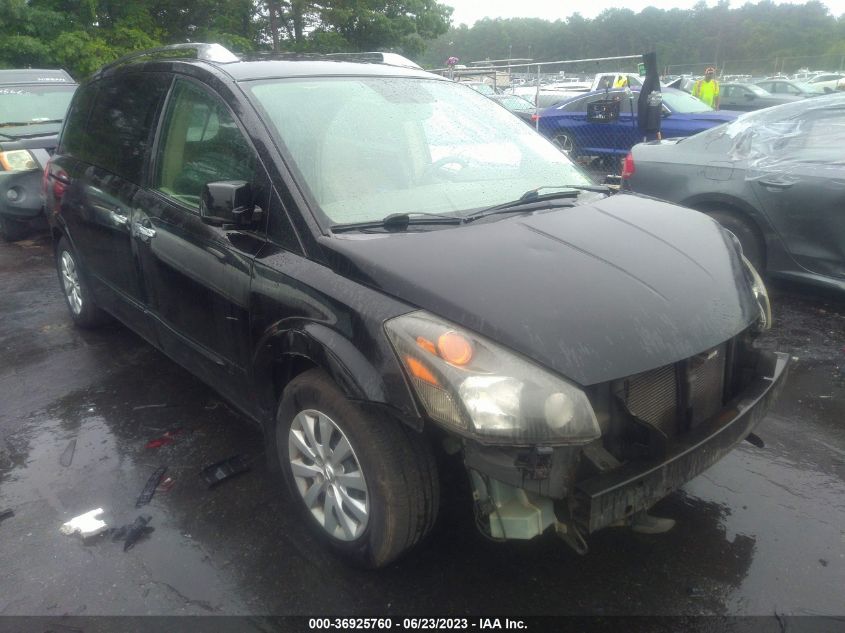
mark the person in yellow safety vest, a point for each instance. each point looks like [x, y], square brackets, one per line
[621, 81]
[707, 89]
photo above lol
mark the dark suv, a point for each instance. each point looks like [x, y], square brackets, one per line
[33, 104]
[379, 265]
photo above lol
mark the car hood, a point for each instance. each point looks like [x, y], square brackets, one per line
[594, 292]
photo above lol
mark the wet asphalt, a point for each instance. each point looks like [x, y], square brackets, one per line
[761, 532]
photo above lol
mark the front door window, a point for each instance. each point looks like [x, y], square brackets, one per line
[201, 143]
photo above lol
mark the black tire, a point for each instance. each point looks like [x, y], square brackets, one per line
[85, 313]
[402, 485]
[747, 234]
[12, 230]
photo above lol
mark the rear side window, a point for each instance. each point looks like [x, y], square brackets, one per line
[121, 122]
[74, 134]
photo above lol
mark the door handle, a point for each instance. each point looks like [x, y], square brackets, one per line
[774, 184]
[144, 233]
[119, 216]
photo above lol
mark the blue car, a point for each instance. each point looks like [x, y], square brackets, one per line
[566, 123]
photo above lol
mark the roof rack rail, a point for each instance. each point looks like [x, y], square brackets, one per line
[204, 51]
[377, 57]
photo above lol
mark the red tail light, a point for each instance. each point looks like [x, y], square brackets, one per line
[55, 182]
[535, 117]
[628, 166]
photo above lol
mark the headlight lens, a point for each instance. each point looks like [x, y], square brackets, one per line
[18, 160]
[760, 293]
[480, 389]
[757, 285]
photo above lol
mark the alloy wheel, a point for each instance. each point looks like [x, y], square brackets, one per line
[328, 475]
[564, 143]
[70, 282]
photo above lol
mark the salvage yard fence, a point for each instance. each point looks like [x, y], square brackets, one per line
[599, 148]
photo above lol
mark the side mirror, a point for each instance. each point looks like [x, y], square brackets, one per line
[227, 202]
[750, 96]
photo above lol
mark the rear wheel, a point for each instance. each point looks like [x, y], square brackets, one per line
[368, 487]
[12, 230]
[80, 301]
[747, 234]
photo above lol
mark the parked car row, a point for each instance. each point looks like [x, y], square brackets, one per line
[404, 270]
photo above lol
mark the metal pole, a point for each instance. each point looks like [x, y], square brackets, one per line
[537, 101]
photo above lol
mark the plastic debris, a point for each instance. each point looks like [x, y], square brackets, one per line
[133, 532]
[224, 469]
[149, 406]
[85, 524]
[150, 487]
[166, 484]
[67, 454]
[168, 438]
[8, 513]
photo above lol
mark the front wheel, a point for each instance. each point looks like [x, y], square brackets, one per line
[367, 486]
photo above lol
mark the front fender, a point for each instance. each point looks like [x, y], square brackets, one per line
[283, 348]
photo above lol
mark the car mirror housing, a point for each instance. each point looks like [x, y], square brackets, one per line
[227, 202]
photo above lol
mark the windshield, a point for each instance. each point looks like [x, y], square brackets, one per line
[368, 147]
[683, 103]
[32, 104]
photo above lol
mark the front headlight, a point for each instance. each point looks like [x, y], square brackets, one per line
[760, 293]
[18, 160]
[757, 285]
[480, 389]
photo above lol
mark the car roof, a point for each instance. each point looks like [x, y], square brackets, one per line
[35, 76]
[309, 67]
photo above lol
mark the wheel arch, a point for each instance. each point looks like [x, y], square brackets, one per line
[287, 351]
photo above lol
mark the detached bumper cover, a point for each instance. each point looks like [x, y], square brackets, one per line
[636, 486]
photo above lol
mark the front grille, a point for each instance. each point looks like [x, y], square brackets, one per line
[653, 398]
[673, 398]
[706, 379]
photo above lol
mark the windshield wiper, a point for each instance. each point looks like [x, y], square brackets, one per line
[32, 122]
[533, 198]
[399, 222]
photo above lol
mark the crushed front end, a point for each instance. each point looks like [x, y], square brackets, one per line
[659, 429]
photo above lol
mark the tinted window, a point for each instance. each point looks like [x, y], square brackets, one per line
[74, 134]
[121, 122]
[201, 143]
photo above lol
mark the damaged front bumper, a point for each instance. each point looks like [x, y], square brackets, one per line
[516, 503]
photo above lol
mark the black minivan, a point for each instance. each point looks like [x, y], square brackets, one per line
[382, 267]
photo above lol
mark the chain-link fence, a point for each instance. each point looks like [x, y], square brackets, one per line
[562, 92]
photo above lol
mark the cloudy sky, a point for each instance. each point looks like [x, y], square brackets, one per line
[468, 11]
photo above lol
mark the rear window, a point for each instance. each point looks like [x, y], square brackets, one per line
[120, 124]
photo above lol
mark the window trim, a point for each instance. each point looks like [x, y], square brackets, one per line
[152, 163]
